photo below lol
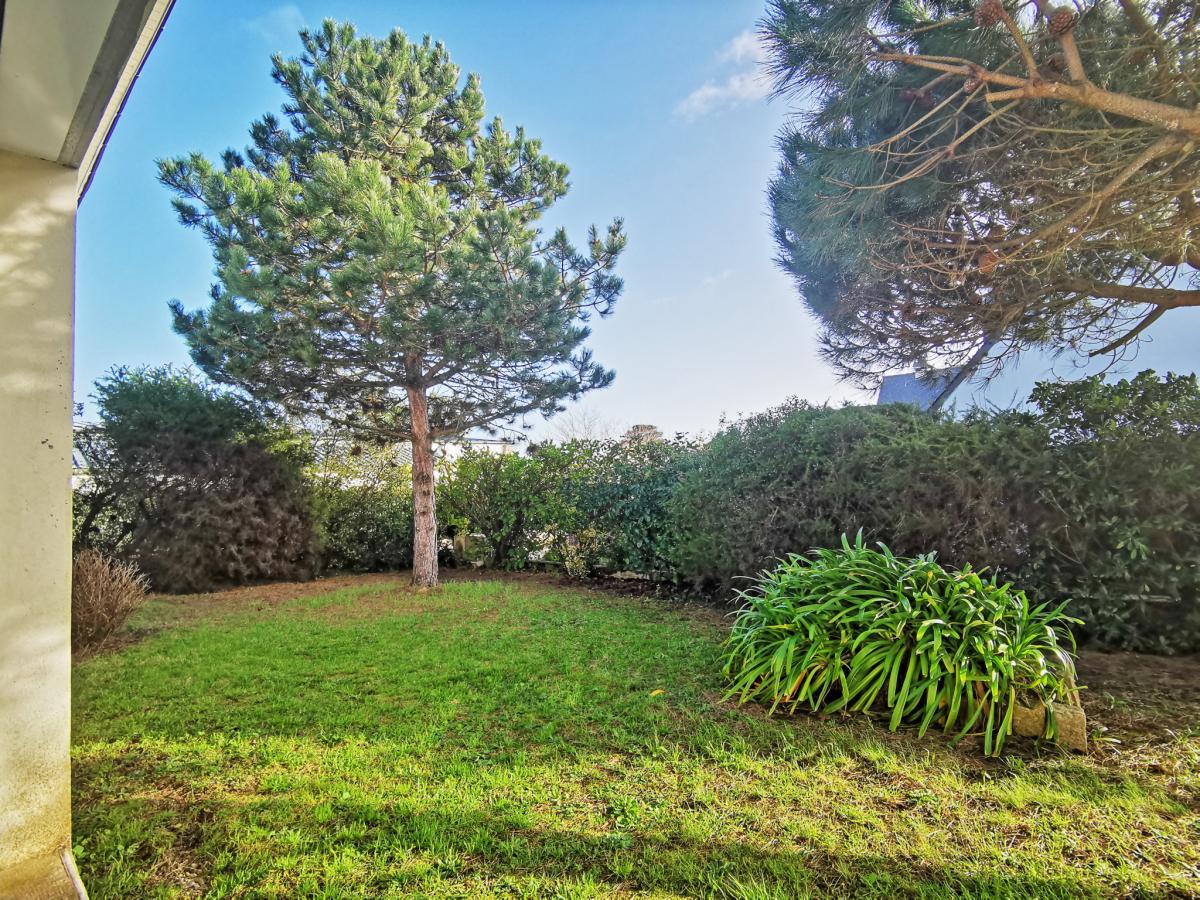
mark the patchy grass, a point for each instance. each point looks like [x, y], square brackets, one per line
[520, 739]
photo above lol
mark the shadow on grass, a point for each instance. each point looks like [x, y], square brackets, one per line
[381, 848]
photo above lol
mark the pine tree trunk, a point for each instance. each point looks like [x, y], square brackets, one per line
[425, 567]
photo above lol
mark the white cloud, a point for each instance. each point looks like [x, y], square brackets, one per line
[746, 47]
[278, 27]
[711, 281]
[747, 85]
[712, 96]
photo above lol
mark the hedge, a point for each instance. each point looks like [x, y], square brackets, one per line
[1091, 495]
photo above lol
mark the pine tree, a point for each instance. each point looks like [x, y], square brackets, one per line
[974, 178]
[379, 261]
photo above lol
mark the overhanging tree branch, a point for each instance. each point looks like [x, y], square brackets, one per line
[1164, 115]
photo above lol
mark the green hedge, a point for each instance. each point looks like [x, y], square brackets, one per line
[364, 506]
[366, 529]
[1092, 496]
[799, 477]
[514, 501]
[619, 492]
[1115, 520]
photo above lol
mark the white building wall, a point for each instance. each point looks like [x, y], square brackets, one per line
[37, 248]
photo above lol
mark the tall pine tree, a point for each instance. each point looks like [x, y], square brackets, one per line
[379, 264]
[975, 178]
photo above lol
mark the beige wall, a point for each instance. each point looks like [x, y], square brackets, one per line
[37, 248]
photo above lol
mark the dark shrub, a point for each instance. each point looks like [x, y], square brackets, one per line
[800, 476]
[1091, 496]
[196, 487]
[1118, 507]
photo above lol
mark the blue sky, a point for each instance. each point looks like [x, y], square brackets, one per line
[656, 108]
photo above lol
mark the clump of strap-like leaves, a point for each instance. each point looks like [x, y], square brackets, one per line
[859, 629]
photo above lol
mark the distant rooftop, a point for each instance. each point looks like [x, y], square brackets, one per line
[908, 388]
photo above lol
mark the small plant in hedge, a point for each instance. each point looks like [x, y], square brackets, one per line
[857, 629]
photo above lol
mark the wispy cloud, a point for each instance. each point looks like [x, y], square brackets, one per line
[278, 26]
[746, 47]
[747, 85]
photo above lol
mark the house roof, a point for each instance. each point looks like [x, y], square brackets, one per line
[909, 388]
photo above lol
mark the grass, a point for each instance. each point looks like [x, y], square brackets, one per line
[519, 739]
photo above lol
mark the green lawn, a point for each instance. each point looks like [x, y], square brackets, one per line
[517, 739]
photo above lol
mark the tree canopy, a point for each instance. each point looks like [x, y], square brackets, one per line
[971, 179]
[379, 260]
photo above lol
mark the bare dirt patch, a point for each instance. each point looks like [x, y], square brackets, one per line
[1139, 697]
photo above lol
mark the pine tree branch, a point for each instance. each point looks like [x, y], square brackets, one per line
[1031, 68]
[1163, 298]
[1143, 26]
[1158, 149]
[1066, 40]
[1164, 115]
[1153, 316]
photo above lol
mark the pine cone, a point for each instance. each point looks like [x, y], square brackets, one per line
[988, 13]
[1062, 20]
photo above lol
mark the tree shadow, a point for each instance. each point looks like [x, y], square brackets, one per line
[406, 847]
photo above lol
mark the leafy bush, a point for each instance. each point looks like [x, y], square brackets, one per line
[1092, 496]
[104, 593]
[366, 529]
[617, 495]
[194, 486]
[856, 628]
[591, 505]
[1116, 525]
[514, 501]
[364, 503]
[799, 476]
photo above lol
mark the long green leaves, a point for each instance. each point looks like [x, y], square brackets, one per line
[859, 629]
